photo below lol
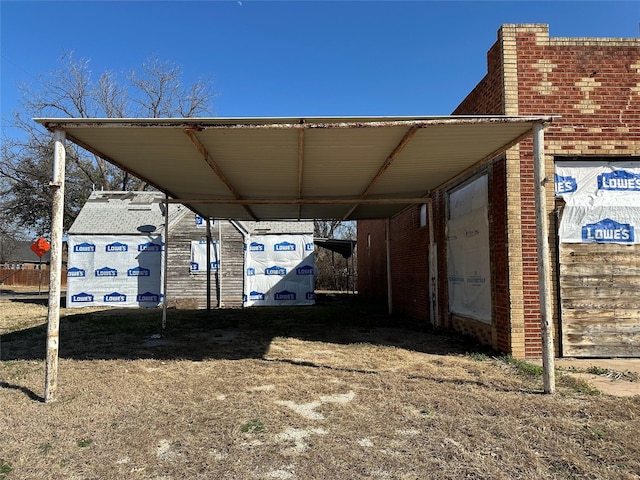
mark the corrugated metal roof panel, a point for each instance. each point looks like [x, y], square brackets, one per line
[268, 168]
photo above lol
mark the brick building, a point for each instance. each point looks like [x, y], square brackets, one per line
[592, 85]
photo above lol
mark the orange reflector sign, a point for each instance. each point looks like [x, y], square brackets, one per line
[40, 246]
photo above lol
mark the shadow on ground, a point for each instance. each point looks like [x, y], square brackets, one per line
[228, 333]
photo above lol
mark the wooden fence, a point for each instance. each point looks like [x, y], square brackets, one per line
[28, 277]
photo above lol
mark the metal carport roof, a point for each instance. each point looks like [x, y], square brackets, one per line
[296, 168]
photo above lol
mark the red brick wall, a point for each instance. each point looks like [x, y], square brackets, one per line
[498, 240]
[372, 261]
[603, 76]
[410, 264]
[531, 290]
[439, 233]
[594, 85]
[487, 99]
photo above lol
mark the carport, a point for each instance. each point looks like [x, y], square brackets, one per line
[346, 168]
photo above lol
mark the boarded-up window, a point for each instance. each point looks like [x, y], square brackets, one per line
[599, 256]
[468, 251]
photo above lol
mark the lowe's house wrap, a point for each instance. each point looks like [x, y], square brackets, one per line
[279, 270]
[602, 201]
[469, 264]
[198, 264]
[125, 271]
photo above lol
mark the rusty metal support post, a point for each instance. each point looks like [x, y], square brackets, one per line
[208, 225]
[53, 315]
[544, 259]
[219, 259]
[434, 311]
[165, 264]
[387, 226]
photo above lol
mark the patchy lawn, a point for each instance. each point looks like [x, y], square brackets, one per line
[333, 391]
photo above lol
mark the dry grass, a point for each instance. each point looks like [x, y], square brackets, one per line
[323, 392]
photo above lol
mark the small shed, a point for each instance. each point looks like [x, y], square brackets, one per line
[117, 252]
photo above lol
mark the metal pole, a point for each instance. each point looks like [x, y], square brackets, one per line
[208, 224]
[219, 262]
[433, 310]
[388, 235]
[165, 267]
[245, 239]
[39, 275]
[544, 270]
[53, 314]
[353, 270]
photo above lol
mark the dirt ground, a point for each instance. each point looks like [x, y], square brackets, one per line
[613, 376]
[337, 390]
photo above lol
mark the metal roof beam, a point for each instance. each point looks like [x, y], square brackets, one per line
[191, 133]
[299, 201]
[483, 160]
[387, 163]
[282, 123]
[114, 162]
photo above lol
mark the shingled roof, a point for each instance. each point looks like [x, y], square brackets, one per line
[142, 212]
[125, 213]
[19, 251]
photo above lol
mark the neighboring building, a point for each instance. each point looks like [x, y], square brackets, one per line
[483, 222]
[17, 254]
[19, 264]
[116, 247]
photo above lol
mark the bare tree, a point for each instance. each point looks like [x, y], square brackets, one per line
[25, 173]
[161, 94]
[111, 97]
[324, 228]
[70, 91]
[8, 245]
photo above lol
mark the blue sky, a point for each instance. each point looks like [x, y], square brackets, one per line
[297, 58]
